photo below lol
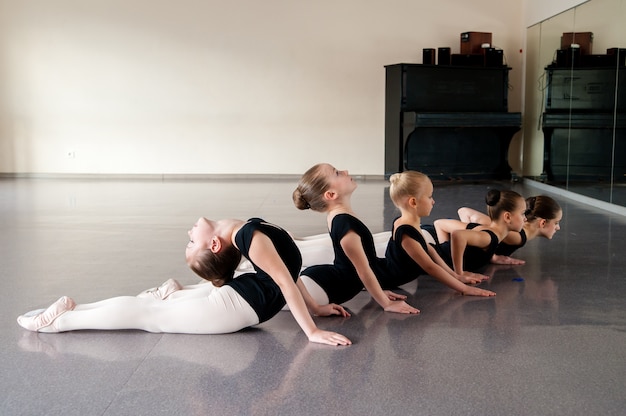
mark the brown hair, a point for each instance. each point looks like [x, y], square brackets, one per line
[407, 183]
[499, 202]
[309, 194]
[217, 268]
[541, 206]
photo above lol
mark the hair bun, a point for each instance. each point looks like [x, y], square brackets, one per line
[299, 200]
[492, 197]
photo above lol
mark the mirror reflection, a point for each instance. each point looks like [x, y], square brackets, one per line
[575, 109]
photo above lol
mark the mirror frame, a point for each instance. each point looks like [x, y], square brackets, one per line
[547, 82]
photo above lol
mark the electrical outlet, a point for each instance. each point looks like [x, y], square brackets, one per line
[70, 154]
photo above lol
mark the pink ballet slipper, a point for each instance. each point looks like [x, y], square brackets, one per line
[36, 320]
[162, 292]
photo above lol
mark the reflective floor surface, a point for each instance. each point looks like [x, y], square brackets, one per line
[614, 192]
[552, 342]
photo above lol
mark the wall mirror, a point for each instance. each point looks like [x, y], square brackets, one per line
[575, 108]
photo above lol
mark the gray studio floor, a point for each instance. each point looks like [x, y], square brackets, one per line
[552, 342]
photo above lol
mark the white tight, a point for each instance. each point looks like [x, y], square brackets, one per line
[315, 290]
[196, 309]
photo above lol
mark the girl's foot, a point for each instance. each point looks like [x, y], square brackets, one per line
[162, 292]
[42, 320]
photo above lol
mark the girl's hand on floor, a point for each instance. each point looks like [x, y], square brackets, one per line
[394, 296]
[331, 309]
[329, 338]
[476, 291]
[472, 278]
[499, 259]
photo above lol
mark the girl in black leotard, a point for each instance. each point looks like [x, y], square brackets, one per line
[408, 255]
[325, 189]
[470, 250]
[543, 216]
[221, 306]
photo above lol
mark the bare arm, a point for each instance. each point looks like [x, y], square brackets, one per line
[351, 244]
[467, 277]
[444, 275]
[460, 239]
[263, 253]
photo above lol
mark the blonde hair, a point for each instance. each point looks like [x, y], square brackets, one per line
[309, 194]
[404, 184]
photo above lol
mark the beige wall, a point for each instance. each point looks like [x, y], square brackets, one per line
[536, 11]
[217, 87]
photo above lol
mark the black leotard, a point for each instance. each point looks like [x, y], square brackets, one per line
[259, 289]
[340, 280]
[474, 258]
[503, 248]
[402, 268]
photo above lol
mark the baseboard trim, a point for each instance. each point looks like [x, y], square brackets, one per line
[170, 176]
[596, 203]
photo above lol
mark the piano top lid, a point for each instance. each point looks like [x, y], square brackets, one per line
[465, 119]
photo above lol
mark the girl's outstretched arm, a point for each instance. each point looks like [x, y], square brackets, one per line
[459, 240]
[467, 277]
[351, 244]
[445, 276]
[263, 253]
